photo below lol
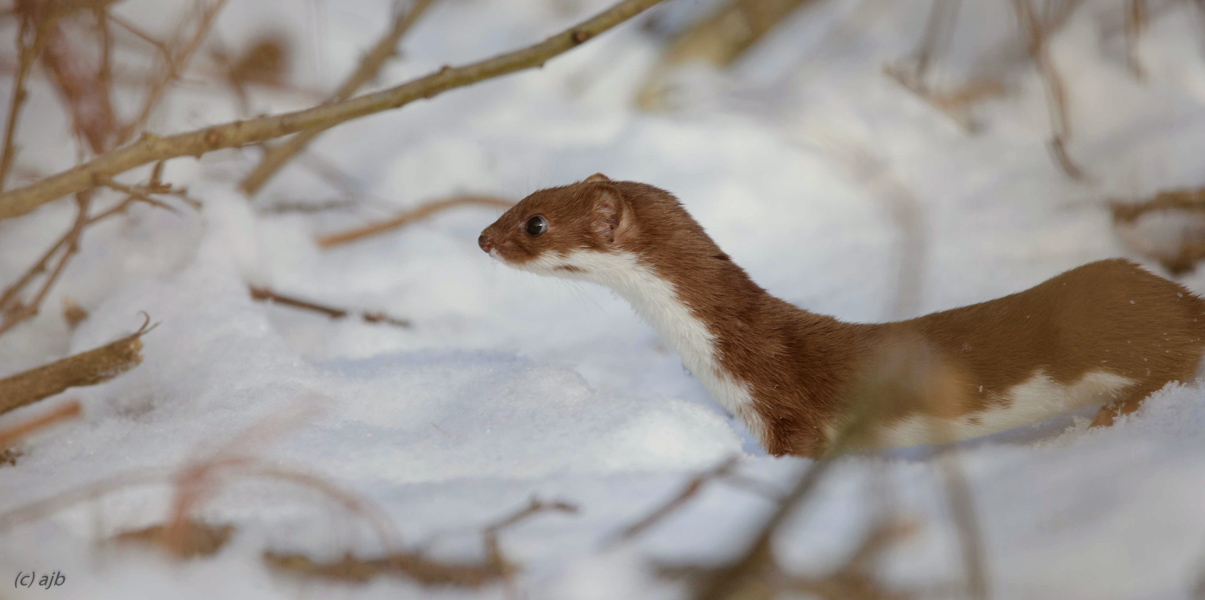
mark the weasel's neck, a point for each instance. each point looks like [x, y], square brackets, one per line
[698, 306]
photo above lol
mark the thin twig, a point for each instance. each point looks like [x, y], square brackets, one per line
[415, 214]
[1060, 121]
[152, 148]
[966, 523]
[276, 156]
[27, 53]
[82, 88]
[15, 313]
[142, 35]
[684, 495]
[266, 295]
[1136, 20]
[174, 67]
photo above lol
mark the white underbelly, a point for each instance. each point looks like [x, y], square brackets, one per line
[1033, 400]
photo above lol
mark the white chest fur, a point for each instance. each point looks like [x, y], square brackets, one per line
[658, 303]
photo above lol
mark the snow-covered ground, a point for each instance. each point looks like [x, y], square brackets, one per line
[509, 386]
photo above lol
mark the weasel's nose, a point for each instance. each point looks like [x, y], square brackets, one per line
[485, 243]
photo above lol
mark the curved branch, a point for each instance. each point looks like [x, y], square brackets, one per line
[152, 148]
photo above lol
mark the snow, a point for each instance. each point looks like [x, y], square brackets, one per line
[511, 386]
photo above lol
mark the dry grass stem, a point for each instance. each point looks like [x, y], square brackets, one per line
[87, 368]
[13, 433]
[276, 156]
[152, 148]
[415, 214]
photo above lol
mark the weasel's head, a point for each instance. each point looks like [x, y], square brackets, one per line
[568, 231]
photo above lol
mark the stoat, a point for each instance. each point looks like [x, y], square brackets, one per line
[1104, 334]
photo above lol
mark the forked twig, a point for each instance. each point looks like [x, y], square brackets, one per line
[174, 67]
[1056, 91]
[276, 156]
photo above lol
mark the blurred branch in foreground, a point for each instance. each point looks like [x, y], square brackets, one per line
[718, 40]
[151, 148]
[196, 482]
[1178, 252]
[14, 433]
[417, 566]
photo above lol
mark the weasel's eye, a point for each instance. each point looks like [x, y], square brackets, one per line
[536, 225]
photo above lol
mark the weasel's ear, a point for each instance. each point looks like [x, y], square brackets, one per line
[612, 215]
[596, 178]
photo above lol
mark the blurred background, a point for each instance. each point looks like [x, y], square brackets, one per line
[334, 390]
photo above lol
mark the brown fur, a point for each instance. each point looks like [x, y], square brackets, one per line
[1108, 316]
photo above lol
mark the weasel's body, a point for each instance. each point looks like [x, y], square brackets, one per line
[1107, 333]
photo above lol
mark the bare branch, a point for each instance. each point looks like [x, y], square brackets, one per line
[152, 148]
[275, 157]
[416, 214]
[87, 368]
